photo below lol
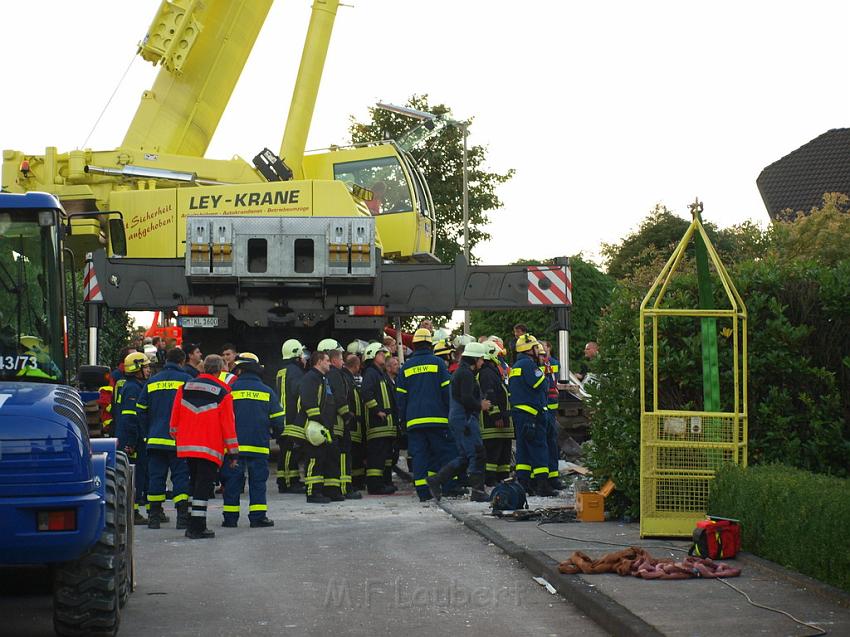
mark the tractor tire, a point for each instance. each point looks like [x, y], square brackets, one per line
[86, 591]
[124, 482]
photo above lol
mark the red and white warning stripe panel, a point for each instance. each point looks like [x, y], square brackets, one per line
[550, 285]
[91, 289]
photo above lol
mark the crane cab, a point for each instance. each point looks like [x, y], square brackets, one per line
[386, 183]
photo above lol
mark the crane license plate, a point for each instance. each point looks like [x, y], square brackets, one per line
[198, 321]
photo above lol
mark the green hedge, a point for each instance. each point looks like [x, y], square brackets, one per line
[793, 517]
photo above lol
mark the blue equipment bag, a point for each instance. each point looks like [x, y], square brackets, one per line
[508, 496]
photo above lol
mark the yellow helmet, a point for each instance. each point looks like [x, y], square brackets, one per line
[422, 335]
[443, 348]
[526, 342]
[134, 362]
[246, 357]
[316, 434]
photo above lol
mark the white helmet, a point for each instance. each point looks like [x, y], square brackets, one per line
[328, 345]
[475, 350]
[463, 340]
[316, 434]
[292, 349]
[372, 350]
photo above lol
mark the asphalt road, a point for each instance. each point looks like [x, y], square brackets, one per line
[379, 566]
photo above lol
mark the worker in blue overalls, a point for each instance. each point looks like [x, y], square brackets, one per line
[259, 415]
[128, 429]
[527, 389]
[422, 397]
[154, 409]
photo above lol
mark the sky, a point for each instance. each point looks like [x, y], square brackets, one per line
[603, 108]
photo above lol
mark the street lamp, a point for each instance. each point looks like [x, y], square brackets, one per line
[430, 118]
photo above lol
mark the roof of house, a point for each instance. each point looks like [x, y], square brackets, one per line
[799, 180]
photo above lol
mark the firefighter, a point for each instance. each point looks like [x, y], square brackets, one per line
[202, 424]
[465, 405]
[258, 415]
[422, 395]
[128, 430]
[292, 442]
[356, 460]
[380, 425]
[551, 366]
[322, 477]
[527, 390]
[154, 408]
[497, 431]
[341, 416]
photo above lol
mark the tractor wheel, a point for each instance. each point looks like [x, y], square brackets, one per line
[124, 482]
[86, 591]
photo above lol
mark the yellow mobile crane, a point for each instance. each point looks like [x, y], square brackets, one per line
[299, 244]
[159, 176]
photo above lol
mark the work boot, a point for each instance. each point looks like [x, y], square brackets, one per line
[353, 495]
[455, 491]
[138, 518]
[557, 484]
[230, 523]
[296, 487]
[261, 523]
[435, 483]
[162, 515]
[154, 519]
[318, 499]
[542, 487]
[198, 529]
[476, 486]
[379, 489]
[389, 487]
[182, 514]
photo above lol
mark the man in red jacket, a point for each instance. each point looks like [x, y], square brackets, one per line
[203, 425]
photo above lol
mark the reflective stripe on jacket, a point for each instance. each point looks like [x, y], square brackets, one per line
[494, 390]
[202, 420]
[422, 391]
[526, 386]
[258, 414]
[288, 380]
[156, 403]
[376, 397]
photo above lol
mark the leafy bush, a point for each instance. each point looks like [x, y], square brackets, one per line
[799, 353]
[795, 518]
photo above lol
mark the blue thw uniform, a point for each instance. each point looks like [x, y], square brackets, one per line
[258, 415]
[550, 369]
[130, 433]
[527, 388]
[292, 441]
[497, 430]
[154, 408]
[422, 397]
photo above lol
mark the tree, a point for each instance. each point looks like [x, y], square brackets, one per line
[441, 160]
[591, 292]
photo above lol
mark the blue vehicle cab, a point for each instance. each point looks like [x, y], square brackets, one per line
[66, 500]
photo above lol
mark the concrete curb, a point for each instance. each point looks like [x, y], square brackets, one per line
[821, 589]
[604, 611]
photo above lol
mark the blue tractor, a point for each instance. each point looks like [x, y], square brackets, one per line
[66, 499]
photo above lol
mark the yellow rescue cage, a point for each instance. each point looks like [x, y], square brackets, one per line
[681, 448]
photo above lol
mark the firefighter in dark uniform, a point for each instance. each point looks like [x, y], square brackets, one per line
[128, 429]
[314, 393]
[343, 416]
[527, 389]
[154, 409]
[291, 443]
[379, 422]
[497, 430]
[356, 459]
[258, 416]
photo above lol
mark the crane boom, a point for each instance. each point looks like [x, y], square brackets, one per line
[202, 47]
[307, 84]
